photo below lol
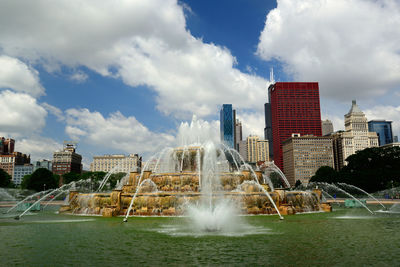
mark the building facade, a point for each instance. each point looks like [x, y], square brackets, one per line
[257, 149]
[304, 155]
[120, 163]
[355, 137]
[238, 133]
[20, 171]
[9, 161]
[243, 150]
[268, 127]
[295, 108]
[383, 129]
[326, 127]
[44, 163]
[67, 160]
[227, 125]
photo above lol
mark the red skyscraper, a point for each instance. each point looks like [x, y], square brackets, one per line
[294, 109]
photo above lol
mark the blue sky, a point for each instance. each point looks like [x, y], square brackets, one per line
[120, 76]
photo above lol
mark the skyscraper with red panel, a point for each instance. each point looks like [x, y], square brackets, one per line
[294, 109]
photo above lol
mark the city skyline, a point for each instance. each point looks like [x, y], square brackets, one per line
[117, 83]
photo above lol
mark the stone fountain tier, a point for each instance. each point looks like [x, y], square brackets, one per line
[117, 202]
[186, 181]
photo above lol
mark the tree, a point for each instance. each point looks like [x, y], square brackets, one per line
[276, 180]
[5, 179]
[39, 180]
[325, 174]
[70, 177]
[373, 169]
[297, 184]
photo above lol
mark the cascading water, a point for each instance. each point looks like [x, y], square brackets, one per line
[363, 191]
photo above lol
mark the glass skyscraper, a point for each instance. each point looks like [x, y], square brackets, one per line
[227, 125]
[383, 129]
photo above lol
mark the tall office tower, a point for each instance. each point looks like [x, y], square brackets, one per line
[121, 163]
[355, 137]
[6, 145]
[262, 150]
[268, 127]
[327, 127]
[294, 109]
[257, 149]
[252, 148]
[67, 160]
[303, 155]
[227, 125]
[243, 149]
[238, 134]
[383, 129]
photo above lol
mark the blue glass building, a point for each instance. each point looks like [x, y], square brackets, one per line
[383, 129]
[227, 125]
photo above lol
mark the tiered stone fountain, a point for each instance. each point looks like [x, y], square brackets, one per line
[160, 193]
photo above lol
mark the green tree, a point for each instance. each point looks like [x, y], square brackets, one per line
[39, 180]
[5, 179]
[70, 177]
[276, 180]
[298, 184]
[325, 174]
[373, 169]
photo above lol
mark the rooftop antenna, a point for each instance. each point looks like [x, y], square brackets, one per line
[271, 76]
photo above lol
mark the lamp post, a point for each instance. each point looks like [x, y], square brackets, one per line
[44, 187]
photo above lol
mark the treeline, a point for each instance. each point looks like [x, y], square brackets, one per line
[372, 169]
[43, 179]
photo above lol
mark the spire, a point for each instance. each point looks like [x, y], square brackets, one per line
[271, 76]
[354, 108]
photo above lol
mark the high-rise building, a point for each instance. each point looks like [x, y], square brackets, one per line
[227, 125]
[304, 155]
[238, 133]
[383, 129]
[67, 160]
[6, 145]
[243, 149]
[120, 163]
[295, 108]
[327, 127]
[44, 164]
[268, 127]
[257, 149]
[395, 139]
[9, 161]
[355, 137]
[20, 171]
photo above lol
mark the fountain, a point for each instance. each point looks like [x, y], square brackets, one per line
[197, 177]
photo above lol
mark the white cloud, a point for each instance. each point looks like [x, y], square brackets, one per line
[38, 147]
[349, 46]
[141, 42]
[20, 114]
[16, 75]
[390, 113]
[54, 110]
[79, 77]
[115, 132]
[253, 123]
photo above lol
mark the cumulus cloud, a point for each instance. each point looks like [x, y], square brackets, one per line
[20, 114]
[349, 46]
[79, 77]
[253, 123]
[54, 111]
[114, 132]
[141, 42]
[16, 75]
[38, 147]
[390, 113]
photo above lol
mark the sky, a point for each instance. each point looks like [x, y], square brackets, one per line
[121, 76]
